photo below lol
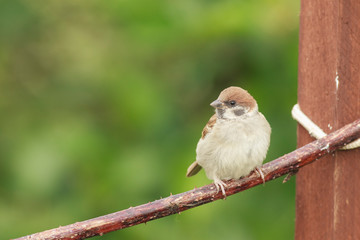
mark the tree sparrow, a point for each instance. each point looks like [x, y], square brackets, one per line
[234, 141]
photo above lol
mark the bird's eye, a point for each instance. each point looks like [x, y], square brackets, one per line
[232, 103]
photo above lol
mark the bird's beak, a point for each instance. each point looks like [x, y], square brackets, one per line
[216, 104]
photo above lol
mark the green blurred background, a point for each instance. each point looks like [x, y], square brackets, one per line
[102, 104]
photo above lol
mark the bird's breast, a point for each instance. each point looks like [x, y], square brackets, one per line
[234, 148]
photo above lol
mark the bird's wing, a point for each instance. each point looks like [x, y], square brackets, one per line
[194, 168]
[209, 126]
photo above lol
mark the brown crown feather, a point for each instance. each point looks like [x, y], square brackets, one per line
[239, 95]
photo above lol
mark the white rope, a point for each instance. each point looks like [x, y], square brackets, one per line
[314, 130]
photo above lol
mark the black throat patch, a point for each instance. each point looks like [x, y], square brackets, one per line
[220, 112]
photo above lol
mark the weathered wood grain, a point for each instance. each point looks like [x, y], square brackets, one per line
[327, 197]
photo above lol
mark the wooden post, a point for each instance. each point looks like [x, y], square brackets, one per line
[328, 191]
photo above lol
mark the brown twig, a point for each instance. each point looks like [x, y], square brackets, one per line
[177, 203]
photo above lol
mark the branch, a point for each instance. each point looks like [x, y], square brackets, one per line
[288, 163]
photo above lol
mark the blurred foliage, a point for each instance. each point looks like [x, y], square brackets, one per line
[102, 104]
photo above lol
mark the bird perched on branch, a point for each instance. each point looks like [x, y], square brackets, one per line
[234, 141]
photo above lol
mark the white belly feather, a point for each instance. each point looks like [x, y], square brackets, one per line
[234, 147]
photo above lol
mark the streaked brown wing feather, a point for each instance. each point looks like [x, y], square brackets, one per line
[209, 126]
[194, 168]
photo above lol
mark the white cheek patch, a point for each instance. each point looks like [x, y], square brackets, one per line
[233, 113]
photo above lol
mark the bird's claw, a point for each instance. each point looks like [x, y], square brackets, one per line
[220, 184]
[260, 172]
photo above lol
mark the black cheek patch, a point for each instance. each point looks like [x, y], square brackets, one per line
[239, 112]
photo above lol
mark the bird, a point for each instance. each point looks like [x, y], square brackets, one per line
[235, 140]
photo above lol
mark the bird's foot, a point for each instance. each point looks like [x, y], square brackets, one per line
[220, 184]
[258, 170]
